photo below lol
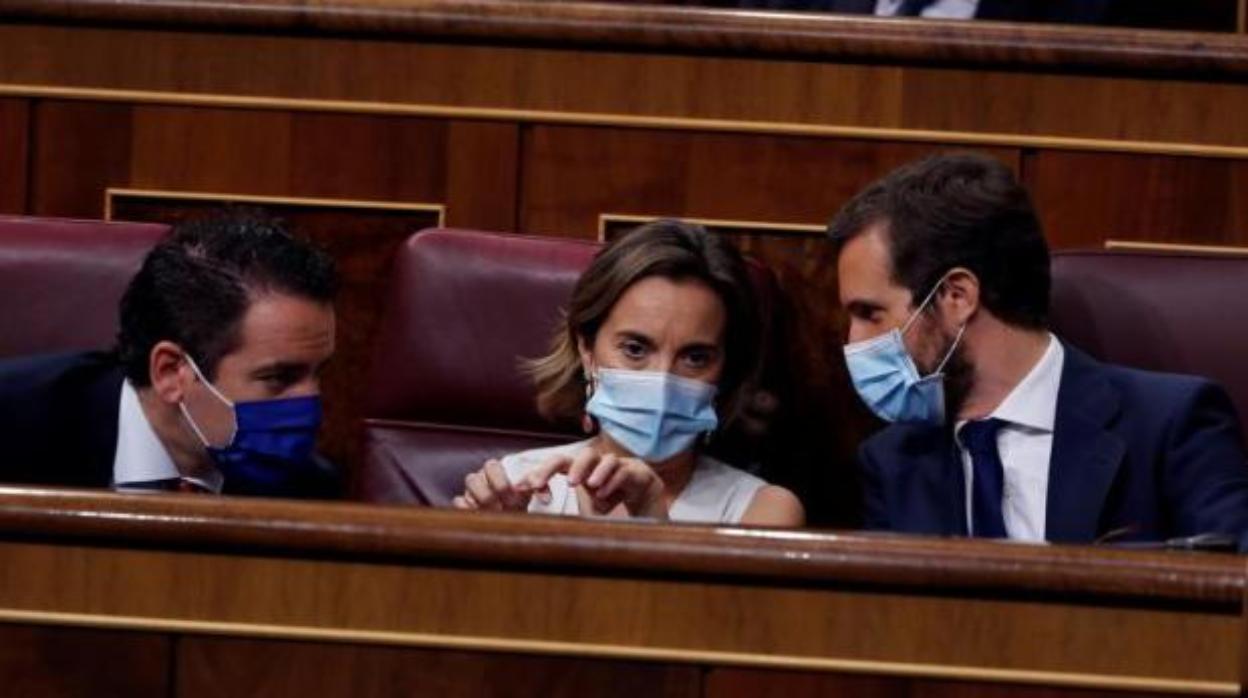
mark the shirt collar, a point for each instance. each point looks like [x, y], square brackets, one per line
[140, 454]
[1033, 402]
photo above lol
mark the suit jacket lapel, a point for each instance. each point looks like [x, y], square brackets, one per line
[1085, 456]
[931, 495]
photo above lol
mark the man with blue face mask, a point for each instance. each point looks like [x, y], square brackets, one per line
[214, 385]
[997, 428]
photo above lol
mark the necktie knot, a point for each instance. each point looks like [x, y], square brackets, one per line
[980, 436]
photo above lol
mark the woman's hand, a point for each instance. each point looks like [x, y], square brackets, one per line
[607, 481]
[489, 488]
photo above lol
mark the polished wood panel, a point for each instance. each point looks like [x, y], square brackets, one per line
[630, 26]
[210, 667]
[79, 151]
[45, 662]
[274, 153]
[574, 175]
[756, 683]
[14, 132]
[713, 596]
[1087, 198]
[482, 175]
[887, 100]
[1243, 647]
[355, 531]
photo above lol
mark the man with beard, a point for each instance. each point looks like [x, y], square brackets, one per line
[999, 429]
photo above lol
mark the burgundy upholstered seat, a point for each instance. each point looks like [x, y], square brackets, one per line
[61, 281]
[1179, 313]
[447, 390]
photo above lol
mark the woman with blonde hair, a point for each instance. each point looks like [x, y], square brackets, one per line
[659, 336]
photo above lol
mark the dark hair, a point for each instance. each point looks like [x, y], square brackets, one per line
[195, 286]
[959, 210]
[668, 248]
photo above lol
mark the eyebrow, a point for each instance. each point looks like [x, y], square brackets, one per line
[862, 307]
[283, 367]
[639, 337]
[706, 346]
[635, 336]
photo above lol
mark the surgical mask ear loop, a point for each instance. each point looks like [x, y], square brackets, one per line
[919, 311]
[217, 394]
[949, 354]
[956, 340]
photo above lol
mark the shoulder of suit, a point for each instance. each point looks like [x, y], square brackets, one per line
[1140, 383]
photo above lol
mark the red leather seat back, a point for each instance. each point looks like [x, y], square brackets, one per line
[61, 281]
[1179, 313]
[447, 390]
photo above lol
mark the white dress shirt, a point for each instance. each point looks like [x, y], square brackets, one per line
[140, 455]
[1025, 444]
[940, 9]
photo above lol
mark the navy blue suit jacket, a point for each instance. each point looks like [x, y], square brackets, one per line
[1148, 455]
[58, 424]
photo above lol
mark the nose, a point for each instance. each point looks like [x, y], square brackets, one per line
[662, 362]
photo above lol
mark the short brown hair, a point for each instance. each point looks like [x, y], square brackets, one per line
[667, 248]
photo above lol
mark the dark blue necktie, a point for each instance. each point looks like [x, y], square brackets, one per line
[988, 477]
[913, 8]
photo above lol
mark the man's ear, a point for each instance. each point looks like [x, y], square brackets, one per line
[168, 371]
[958, 296]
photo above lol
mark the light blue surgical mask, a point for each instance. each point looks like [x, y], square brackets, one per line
[652, 414]
[888, 380]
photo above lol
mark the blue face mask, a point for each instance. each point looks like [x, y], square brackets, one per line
[652, 414]
[272, 441]
[888, 381]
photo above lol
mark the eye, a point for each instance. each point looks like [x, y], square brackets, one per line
[278, 382]
[699, 358]
[870, 315]
[275, 384]
[633, 349]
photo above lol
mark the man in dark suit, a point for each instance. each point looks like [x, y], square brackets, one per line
[214, 385]
[999, 428]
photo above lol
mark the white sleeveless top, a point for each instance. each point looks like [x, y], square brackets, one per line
[716, 493]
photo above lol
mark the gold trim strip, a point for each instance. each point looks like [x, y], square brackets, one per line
[492, 644]
[810, 228]
[173, 194]
[1217, 250]
[951, 138]
[603, 219]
